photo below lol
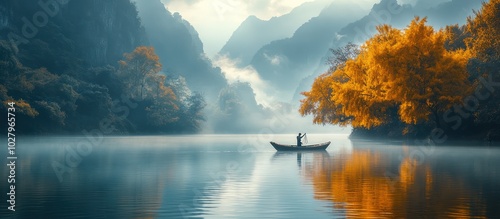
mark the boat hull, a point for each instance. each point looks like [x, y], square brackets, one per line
[314, 147]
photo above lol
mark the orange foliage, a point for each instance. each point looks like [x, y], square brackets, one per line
[23, 107]
[319, 103]
[485, 29]
[139, 67]
[140, 74]
[406, 70]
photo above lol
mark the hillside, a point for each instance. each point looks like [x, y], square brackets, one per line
[439, 13]
[255, 33]
[285, 62]
[180, 48]
[64, 76]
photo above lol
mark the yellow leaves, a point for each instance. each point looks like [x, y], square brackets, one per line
[23, 107]
[318, 102]
[412, 113]
[122, 63]
[139, 72]
[485, 29]
[143, 59]
[148, 52]
[408, 71]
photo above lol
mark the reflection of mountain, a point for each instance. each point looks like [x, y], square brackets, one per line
[122, 178]
[363, 185]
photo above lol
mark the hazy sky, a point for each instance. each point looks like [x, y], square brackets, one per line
[216, 20]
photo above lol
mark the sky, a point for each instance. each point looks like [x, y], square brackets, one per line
[216, 20]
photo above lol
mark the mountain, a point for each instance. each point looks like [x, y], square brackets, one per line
[97, 38]
[59, 65]
[439, 14]
[285, 62]
[254, 33]
[181, 52]
[180, 49]
[451, 12]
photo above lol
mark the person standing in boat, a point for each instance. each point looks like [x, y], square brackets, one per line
[299, 139]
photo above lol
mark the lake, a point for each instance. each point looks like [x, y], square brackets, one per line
[242, 176]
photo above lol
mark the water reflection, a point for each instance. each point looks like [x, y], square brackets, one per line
[299, 159]
[123, 178]
[214, 177]
[368, 183]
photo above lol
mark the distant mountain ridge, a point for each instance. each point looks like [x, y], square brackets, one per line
[231, 108]
[285, 62]
[439, 15]
[254, 33]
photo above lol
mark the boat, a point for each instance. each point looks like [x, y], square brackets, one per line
[311, 147]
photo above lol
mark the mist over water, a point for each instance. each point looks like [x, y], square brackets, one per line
[282, 69]
[238, 101]
[242, 176]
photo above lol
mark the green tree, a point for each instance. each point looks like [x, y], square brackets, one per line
[484, 44]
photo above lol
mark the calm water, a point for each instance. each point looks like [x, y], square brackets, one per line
[242, 176]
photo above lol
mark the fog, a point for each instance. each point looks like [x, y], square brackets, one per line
[263, 93]
[217, 20]
[260, 107]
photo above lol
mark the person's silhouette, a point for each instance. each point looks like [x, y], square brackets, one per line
[299, 140]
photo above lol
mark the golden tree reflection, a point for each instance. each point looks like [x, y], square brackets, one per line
[361, 183]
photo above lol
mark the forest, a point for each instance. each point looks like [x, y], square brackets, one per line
[70, 71]
[413, 82]
[72, 66]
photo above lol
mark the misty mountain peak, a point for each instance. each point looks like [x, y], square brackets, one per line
[243, 47]
[252, 18]
[384, 4]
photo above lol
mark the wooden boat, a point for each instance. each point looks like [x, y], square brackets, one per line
[315, 147]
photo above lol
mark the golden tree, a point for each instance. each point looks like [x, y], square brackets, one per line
[320, 104]
[485, 29]
[407, 70]
[138, 68]
[142, 81]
